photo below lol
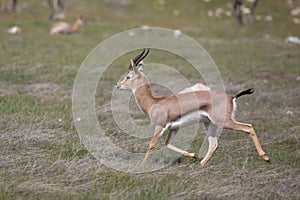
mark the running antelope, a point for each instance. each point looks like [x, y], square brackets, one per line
[64, 28]
[215, 109]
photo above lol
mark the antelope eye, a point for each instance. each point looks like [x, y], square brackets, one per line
[127, 77]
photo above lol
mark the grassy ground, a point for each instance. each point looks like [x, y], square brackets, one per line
[42, 156]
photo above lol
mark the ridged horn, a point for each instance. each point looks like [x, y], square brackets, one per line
[139, 58]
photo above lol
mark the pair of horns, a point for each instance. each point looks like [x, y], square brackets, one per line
[139, 58]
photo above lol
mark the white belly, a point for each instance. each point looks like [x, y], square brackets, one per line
[60, 27]
[192, 118]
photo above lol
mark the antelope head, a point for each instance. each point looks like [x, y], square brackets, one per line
[134, 77]
[80, 21]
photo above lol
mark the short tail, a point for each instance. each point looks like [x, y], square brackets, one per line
[249, 91]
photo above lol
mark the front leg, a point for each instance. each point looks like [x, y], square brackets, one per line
[159, 131]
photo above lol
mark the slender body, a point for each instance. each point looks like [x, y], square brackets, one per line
[64, 28]
[215, 109]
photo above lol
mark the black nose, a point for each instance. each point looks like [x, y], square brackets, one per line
[117, 86]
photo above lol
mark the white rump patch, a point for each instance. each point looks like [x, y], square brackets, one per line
[234, 108]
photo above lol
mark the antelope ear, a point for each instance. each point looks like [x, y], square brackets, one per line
[141, 64]
[136, 71]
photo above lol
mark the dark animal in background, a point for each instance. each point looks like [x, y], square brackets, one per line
[238, 13]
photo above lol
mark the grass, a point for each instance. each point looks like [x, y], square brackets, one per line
[42, 156]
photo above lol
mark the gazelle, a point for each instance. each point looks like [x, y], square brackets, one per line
[171, 112]
[64, 28]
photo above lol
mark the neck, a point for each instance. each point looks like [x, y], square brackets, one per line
[74, 27]
[144, 98]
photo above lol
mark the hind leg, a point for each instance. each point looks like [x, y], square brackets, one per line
[247, 128]
[172, 134]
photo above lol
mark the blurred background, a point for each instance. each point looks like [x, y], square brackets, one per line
[254, 44]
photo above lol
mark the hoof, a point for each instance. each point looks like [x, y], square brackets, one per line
[196, 156]
[266, 158]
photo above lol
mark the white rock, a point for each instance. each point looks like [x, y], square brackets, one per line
[289, 112]
[177, 33]
[145, 27]
[293, 39]
[228, 13]
[268, 18]
[210, 13]
[296, 20]
[246, 10]
[295, 11]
